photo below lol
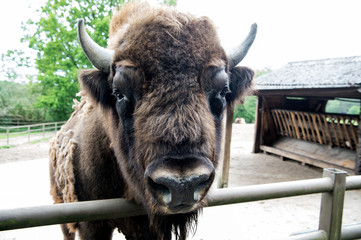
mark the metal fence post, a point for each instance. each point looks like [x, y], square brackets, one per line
[332, 204]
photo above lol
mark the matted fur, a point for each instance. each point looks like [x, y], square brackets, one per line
[64, 175]
[61, 155]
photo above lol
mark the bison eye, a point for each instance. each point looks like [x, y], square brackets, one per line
[118, 95]
[217, 101]
[225, 91]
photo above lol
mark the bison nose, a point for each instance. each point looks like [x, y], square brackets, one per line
[179, 182]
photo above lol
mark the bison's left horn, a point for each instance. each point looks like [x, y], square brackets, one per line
[100, 57]
[237, 55]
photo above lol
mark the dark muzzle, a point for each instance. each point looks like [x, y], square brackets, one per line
[179, 183]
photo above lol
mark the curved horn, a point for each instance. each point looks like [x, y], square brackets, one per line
[100, 57]
[237, 55]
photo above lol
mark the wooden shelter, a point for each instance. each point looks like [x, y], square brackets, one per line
[291, 117]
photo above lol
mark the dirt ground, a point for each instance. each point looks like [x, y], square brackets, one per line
[24, 152]
[24, 182]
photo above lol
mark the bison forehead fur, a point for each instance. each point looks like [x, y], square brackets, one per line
[149, 129]
[166, 41]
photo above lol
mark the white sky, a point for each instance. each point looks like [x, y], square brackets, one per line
[288, 30]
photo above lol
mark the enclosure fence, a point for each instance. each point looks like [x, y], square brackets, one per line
[330, 129]
[332, 185]
[16, 135]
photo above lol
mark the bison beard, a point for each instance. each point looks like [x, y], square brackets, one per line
[159, 227]
[148, 127]
[180, 224]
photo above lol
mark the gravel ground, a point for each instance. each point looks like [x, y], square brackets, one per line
[24, 152]
[24, 182]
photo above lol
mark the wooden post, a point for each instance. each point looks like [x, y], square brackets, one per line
[219, 170]
[257, 126]
[227, 147]
[358, 151]
[29, 133]
[7, 136]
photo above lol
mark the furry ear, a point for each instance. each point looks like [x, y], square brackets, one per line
[96, 84]
[240, 84]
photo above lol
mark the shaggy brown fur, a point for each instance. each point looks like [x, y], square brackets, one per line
[165, 95]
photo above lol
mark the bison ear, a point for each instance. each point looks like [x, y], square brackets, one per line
[240, 84]
[96, 84]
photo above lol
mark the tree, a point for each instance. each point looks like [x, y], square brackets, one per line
[247, 110]
[170, 2]
[343, 106]
[15, 65]
[18, 101]
[354, 110]
[59, 55]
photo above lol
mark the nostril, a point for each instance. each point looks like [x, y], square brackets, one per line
[160, 190]
[179, 182]
[203, 186]
[202, 178]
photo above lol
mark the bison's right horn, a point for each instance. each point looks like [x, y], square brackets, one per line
[237, 55]
[100, 57]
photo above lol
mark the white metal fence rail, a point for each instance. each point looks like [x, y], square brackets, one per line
[332, 186]
[22, 134]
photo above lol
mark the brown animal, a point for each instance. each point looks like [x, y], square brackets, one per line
[148, 128]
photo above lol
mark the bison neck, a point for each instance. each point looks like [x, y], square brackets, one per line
[97, 174]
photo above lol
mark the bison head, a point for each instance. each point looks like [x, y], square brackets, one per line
[163, 84]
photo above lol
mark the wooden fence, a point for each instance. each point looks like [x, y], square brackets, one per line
[330, 129]
[16, 135]
[332, 186]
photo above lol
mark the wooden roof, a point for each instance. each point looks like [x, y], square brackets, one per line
[326, 73]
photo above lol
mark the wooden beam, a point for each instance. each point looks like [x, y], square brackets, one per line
[227, 147]
[349, 92]
[257, 126]
[313, 154]
[304, 159]
[358, 150]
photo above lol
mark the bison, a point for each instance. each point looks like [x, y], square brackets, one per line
[148, 126]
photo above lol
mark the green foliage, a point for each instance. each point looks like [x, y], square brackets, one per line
[343, 106]
[13, 64]
[59, 55]
[7, 146]
[58, 58]
[18, 101]
[170, 2]
[247, 110]
[354, 110]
